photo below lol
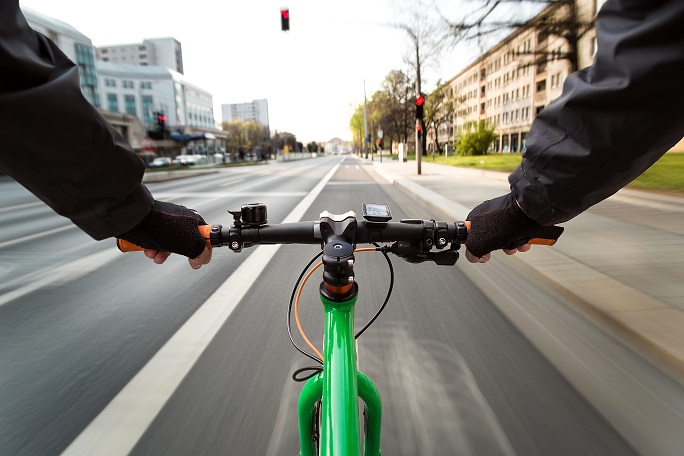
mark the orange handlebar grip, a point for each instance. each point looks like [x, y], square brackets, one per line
[125, 246]
[541, 241]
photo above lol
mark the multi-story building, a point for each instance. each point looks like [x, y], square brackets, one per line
[512, 82]
[75, 45]
[128, 94]
[141, 91]
[164, 52]
[256, 111]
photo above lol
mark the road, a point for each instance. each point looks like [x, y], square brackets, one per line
[102, 348]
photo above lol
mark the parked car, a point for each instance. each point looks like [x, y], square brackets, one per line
[189, 160]
[161, 162]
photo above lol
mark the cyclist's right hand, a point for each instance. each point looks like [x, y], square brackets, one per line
[496, 224]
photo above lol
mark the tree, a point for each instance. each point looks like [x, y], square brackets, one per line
[423, 33]
[476, 141]
[440, 108]
[569, 20]
[356, 127]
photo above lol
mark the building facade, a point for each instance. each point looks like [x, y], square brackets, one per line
[164, 52]
[256, 111]
[509, 85]
[142, 91]
[75, 45]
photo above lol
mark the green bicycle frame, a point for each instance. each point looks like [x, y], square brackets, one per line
[338, 387]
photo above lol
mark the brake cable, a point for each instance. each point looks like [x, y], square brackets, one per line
[297, 290]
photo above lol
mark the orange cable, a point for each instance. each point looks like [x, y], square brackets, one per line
[299, 325]
[299, 293]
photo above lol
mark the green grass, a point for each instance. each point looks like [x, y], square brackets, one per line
[666, 175]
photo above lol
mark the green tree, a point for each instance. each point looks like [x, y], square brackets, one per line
[477, 140]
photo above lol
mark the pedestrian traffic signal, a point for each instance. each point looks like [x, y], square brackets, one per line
[285, 19]
[420, 105]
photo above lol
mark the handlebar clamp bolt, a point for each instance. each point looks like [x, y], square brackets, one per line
[428, 242]
[235, 245]
[441, 242]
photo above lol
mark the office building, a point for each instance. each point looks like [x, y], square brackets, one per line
[164, 52]
[256, 111]
[75, 45]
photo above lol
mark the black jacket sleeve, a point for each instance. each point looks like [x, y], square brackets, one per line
[614, 119]
[55, 143]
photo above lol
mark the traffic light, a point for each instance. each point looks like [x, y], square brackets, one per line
[420, 107]
[161, 120]
[419, 129]
[379, 143]
[285, 19]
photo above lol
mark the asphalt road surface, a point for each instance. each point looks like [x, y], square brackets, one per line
[114, 355]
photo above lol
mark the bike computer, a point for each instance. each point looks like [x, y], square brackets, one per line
[374, 212]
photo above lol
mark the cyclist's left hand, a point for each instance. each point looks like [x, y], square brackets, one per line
[170, 228]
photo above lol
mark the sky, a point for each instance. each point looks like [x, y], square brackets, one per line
[313, 76]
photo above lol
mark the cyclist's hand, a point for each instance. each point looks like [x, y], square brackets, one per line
[498, 224]
[169, 228]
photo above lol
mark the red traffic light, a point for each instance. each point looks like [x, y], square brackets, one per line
[419, 128]
[285, 19]
[420, 100]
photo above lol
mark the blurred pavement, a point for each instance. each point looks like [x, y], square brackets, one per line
[621, 262]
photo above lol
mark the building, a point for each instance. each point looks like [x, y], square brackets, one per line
[75, 45]
[164, 52]
[142, 91]
[509, 84]
[256, 111]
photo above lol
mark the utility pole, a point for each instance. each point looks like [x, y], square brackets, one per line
[419, 142]
[365, 120]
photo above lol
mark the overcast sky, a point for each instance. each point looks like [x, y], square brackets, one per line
[312, 76]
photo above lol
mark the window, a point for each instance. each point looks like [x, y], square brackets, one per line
[109, 82]
[129, 105]
[127, 84]
[112, 102]
[541, 85]
[148, 108]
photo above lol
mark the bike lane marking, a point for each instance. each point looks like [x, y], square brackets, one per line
[121, 424]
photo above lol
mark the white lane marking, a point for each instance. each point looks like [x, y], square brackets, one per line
[117, 429]
[35, 236]
[21, 206]
[64, 273]
[234, 181]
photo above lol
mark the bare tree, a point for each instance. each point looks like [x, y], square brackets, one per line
[439, 111]
[423, 32]
[569, 20]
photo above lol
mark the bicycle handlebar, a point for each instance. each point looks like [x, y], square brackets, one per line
[413, 239]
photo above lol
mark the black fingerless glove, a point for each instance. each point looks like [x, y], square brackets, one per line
[498, 224]
[170, 228]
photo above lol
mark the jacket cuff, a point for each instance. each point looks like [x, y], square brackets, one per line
[532, 201]
[120, 218]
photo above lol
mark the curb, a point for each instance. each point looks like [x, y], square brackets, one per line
[645, 323]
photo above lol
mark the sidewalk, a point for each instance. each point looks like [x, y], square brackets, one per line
[622, 260]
